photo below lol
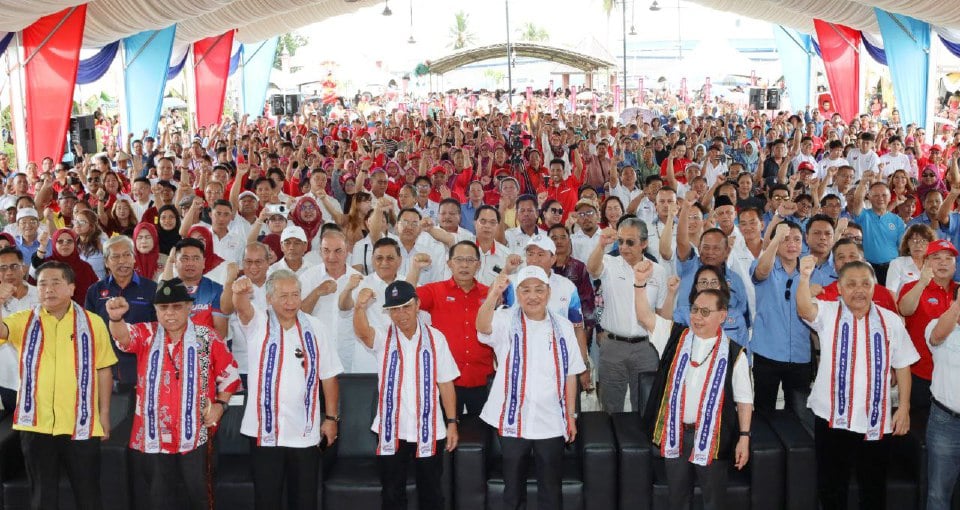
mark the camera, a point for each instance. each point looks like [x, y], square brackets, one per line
[277, 209]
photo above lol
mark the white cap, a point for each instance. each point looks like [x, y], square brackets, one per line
[293, 232]
[249, 193]
[543, 242]
[532, 272]
[170, 154]
[27, 212]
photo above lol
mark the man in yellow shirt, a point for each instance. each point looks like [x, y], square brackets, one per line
[63, 406]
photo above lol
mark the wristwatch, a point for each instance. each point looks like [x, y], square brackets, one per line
[332, 417]
[450, 421]
[224, 403]
[744, 433]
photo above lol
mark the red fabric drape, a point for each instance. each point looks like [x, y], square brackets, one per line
[839, 46]
[51, 75]
[211, 57]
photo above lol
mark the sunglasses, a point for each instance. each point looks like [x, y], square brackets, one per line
[556, 210]
[704, 311]
[786, 293]
[629, 242]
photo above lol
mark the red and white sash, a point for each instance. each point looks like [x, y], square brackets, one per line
[192, 397]
[515, 380]
[84, 366]
[669, 428]
[876, 354]
[271, 365]
[391, 387]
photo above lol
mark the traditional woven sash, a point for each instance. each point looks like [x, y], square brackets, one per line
[515, 380]
[391, 384]
[668, 431]
[191, 396]
[84, 366]
[844, 362]
[271, 365]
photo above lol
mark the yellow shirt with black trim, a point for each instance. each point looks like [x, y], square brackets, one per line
[56, 379]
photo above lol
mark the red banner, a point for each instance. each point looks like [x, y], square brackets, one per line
[840, 48]
[211, 60]
[51, 73]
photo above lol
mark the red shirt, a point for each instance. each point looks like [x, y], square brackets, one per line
[457, 320]
[933, 302]
[881, 296]
[565, 193]
[679, 164]
[224, 376]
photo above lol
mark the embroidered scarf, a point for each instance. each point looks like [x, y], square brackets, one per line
[192, 394]
[271, 365]
[844, 362]
[515, 380]
[84, 365]
[668, 431]
[427, 396]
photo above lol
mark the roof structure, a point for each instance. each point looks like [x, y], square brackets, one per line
[575, 59]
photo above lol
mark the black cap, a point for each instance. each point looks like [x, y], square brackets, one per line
[172, 291]
[399, 293]
[721, 201]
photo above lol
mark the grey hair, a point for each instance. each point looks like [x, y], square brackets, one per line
[280, 275]
[114, 241]
[636, 223]
[258, 244]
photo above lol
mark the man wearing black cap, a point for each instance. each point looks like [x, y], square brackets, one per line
[418, 428]
[185, 377]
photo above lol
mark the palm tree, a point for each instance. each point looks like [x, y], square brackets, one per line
[530, 32]
[495, 76]
[460, 35]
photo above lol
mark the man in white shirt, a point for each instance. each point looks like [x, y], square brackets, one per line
[587, 213]
[22, 296]
[254, 266]
[833, 158]
[943, 427]
[294, 360]
[494, 257]
[535, 346]
[713, 167]
[293, 244]
[419, 427]
[414, 241]
[863, 158]
[516, 238]
[850, 394]
[228, 243]
[646, 208]
[896, 159]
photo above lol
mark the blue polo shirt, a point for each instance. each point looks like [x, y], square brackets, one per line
[738, 315]
[206, 296]
[881, 235]
[29, 249]
[139, 295]
[824, 274]
[778, 332]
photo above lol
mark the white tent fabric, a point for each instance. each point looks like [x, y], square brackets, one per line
[713, 58]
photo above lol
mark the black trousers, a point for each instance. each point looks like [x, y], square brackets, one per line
[919, 400]
[838, 451]
[8, 398]
[680, 473]
[428, 471]
[769, 374]
[471, 400]
[44, 455]
[548, 456]
[162, 473]
[274, 465]
[880, 270]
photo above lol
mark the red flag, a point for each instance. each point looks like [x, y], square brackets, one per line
[211, 60]
[840, 48]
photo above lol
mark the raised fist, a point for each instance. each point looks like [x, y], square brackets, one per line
[117, 307]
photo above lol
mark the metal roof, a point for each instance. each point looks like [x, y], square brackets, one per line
[564, 56]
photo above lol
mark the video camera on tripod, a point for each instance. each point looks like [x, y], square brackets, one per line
[515, 142]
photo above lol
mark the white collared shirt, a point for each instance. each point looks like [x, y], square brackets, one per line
[310, 259]
[495, 258]
[231, 246]
[619, 311]
[429, 246]
[583, 245]
[363, 359]
[339, 328]
[541, 408]
[238, 343]
[291, 422]
[946, 367]
[9, 355]
[517, 239]
[447, 371]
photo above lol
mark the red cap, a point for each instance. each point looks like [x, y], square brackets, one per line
[502, 171]
[806, 165]
[940, 245]
[437, 170]
[936, 148]
[346, 177]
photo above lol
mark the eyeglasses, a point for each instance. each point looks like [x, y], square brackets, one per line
[630, 242]
[918, 241]
[779, 198]
[786, 293]
[464, 260]
[713, 284]
[556, 210]
[11, 267]
[587, 214]
[704, 311]
[254, 262]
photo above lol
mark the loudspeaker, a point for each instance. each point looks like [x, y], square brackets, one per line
[773, 99]
[276, 105]
[757, 99]
[291, 102]
[83, 131]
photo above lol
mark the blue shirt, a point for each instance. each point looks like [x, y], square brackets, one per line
[824, 274]
[206, 296]
[29, 249]
[778, 332]
[881, 235]
[467, 212]
[738, 312]
[139, 294]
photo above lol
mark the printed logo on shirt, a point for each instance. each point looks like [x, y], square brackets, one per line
[104, 293]
[933, 301]
[891, 226]
[451, 298]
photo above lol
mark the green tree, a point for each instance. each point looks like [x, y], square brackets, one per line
[494, 75]
[290, 42]
[460, 34]
[530, 32]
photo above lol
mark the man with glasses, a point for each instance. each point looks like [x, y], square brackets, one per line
[882, 229]
[416, 245]
[563, 189]
[22, 297]
[781, 341]
[588, 219]
[625, 350]
[494, 257]
[254, 266]
[777, 195]
[28, 222]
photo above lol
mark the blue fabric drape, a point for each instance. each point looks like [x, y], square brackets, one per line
[816, 47]
[92, 69]
[5, 42]
[255, 75]
[875, 51]
[175, 70]
[146, 59]
[949, 39]
[952, 47]
[906, 42]
[235, 60]
[794, 49]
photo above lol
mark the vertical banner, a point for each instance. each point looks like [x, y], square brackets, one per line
[573, 98]
[146, 58]
[52, 48]
[616, 98]
[794, 49]
[211, 64]
[683, 90]
[550, 100]
[257, 63]
[593, 101]
[906, 42]
[642, 94]
[707, 92]
[840, 49]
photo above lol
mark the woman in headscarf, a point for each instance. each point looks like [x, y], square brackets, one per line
[214, 267]
[6, 239]
[930, 181]
[748, 156]
[66, 250]
[168, 230]
[146, 242]
[306, 215]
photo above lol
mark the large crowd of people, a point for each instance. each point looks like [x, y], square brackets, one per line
[757, 259]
